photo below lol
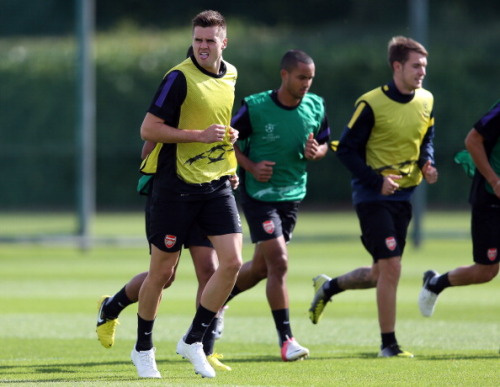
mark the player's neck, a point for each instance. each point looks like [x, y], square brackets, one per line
[286, 99]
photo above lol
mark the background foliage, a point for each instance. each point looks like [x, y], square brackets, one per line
[137, 41]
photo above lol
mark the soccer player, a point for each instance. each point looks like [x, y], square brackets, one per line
[387, 146]
[483, 144]
[205, 263]
[279, 132]
[189, 120]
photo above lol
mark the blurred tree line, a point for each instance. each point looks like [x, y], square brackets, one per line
[56, 17]
[137, 41]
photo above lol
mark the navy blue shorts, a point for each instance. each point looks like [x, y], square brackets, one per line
[485, 230]
[270, 220]
[171, 222]
[384, 225]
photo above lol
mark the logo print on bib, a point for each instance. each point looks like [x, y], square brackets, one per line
[268, 226]
[492, 254]
[391, 243]
[170, 241]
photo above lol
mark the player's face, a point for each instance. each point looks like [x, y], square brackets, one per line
[208, 43]
[298, 81]
[410, 75]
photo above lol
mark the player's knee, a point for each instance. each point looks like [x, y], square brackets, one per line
[231, 265]
[278, 267]
[170, 281]
[488, 273]
[260, 272]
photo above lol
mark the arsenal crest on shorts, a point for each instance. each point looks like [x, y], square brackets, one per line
[492, 254]
[170, 241]
[268, 226]
[391, 243]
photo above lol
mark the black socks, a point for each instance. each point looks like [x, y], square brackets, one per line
[201, 322]
[282, 322]
[144, 334]
[114, 305]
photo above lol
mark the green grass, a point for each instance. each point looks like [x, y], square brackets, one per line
[48, 297]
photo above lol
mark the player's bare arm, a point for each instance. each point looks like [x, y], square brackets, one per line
[262, 171]
[474, 144]
[154, 129]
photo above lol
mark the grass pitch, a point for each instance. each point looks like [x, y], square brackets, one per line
[48, 297]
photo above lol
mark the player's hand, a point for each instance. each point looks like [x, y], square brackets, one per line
[214, 133]
[390, 186]
[232, 134]
[263, 170]
[311, 148]
[430, 173]
[235, 181]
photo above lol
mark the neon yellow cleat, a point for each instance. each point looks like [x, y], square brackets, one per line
[105, 327]
[319, 301]
[394, 351]
[214, 361]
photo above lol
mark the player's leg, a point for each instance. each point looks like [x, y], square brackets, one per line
[214, 295]
[325, 288]
[275, 254]
[162, 268]
[251, 272]
[168, 225]
[264, 223]
[387, 239]
[389, 272]
[485, 231]
[473, 274]
[228, 248]
[110, 307]
[363, 277]
[205, 263]
[220, 219]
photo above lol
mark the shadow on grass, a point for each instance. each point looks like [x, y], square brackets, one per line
[374, 355]
[460, 356]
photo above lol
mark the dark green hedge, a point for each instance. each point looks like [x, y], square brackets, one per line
[38, 108]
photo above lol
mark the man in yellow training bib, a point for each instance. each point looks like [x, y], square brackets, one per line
[189, 120]
[387, 146]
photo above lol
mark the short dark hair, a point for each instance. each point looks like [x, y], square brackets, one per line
[399, 49]
[292, 58]
[209, 18]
